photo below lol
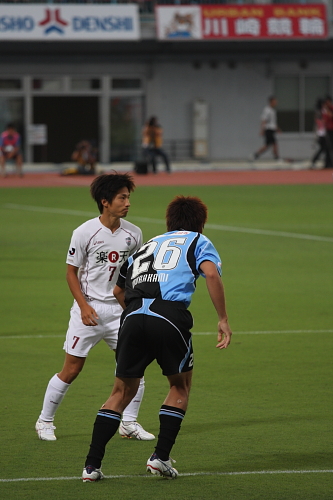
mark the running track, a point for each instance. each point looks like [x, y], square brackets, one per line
[194, 178]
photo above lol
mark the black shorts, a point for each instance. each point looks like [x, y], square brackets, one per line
[6, 156]
[154, 329]
[270, 137]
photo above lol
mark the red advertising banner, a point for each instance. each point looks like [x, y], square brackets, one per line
[248, 22]
[266, 21]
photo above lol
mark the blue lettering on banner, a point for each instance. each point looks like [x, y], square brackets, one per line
[16, 23]
[111, 23]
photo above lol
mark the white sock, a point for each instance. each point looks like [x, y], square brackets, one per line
[130, 414]
[55, 393]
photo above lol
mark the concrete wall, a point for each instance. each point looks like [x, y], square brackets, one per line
[235, 95]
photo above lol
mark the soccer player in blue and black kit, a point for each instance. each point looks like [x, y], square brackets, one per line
[155, 287]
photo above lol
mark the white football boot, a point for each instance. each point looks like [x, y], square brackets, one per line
[135, 430]
[91, 474]
[45, 430]
[156, 466]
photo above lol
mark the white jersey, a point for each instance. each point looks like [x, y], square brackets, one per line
[99, 255]
[269, 117]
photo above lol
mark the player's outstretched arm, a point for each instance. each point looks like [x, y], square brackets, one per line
[216, 293]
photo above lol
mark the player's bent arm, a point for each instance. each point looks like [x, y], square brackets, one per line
[216, 292]
[88, 314]
[119, 293]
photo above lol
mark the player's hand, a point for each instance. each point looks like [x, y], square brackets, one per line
[224, 334]
[89, 316]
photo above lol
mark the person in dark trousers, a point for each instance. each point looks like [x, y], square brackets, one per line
[152, 142]
[327, 113]
[320, 133]
[155, 287]
[268, 129]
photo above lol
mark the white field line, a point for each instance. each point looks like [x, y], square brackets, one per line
[191, 474]
[267, 332]
[263, 332]
[218, 227]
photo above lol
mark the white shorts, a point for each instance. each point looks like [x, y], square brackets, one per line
[81, 338]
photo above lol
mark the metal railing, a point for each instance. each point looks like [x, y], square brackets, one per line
[176, 149]
[179, 149]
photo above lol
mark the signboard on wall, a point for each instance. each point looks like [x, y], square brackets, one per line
[37, 134]
[200, 128]
[241, 22]
[52, 22]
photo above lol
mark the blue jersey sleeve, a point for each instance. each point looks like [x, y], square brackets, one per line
[205, 250]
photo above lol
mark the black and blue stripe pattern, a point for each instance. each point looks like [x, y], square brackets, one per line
[172, 411]
[109, 414]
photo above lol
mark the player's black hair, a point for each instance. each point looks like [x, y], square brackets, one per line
[152, 121]
[186, 212]
[106, 187]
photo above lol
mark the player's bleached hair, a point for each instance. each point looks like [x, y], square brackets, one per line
[186, 212]
[106, 187]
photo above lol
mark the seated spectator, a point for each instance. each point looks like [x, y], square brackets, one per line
[10, 149]
[85, 155]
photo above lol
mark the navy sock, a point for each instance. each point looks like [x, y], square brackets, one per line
[170, 422]
[105, 427]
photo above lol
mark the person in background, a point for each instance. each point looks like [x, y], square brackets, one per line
[85, 155]
[327, 114]
[152, 141]
[320, 132]
[155, 287]
[269, 128]
[10, 149]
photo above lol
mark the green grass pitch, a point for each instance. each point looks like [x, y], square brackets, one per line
[259, 420]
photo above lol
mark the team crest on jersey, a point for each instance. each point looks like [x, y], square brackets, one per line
[128, 241]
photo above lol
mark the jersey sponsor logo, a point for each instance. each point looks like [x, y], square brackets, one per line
[71, 251]
[101, 257]
[150, 278]
[113, 256]
[98, 242]
[105, 256]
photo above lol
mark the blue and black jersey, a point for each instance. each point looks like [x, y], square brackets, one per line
[167, 267]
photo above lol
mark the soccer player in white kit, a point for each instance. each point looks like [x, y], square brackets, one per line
[97, 250]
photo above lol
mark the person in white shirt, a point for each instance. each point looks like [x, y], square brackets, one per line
[97, 250]
[269, 128]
